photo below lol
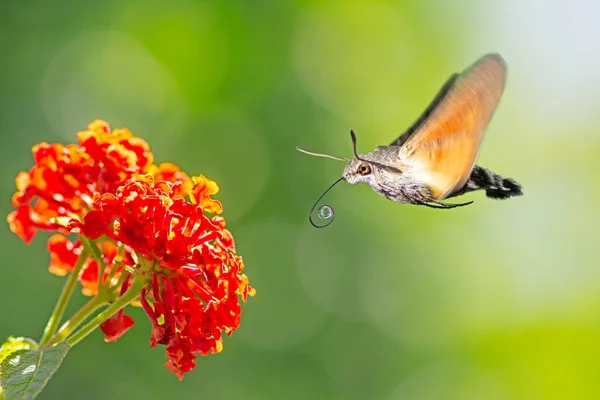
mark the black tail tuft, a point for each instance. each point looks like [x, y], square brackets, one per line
[495, 186]
[509, 188]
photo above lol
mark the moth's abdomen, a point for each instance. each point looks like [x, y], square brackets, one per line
[495, 186]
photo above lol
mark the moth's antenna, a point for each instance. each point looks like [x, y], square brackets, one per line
[314, 153]
[353, 136]
[325, 211]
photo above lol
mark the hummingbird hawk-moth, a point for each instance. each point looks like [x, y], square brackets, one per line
[435, 158]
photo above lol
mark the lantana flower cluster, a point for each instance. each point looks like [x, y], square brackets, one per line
[125, 220]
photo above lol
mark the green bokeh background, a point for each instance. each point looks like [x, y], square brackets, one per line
[498, 300]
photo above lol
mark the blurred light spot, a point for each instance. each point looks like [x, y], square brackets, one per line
[329, 267]
[451, 381]
[228, 147]
[410, 293]
[481, 288]
[188, 39]
[289, 375]
[222, 385]
[552, 52]
[353, 57]
[108, 75]
[551, 360]
[548, 246]
[360, 361]
[280, 315]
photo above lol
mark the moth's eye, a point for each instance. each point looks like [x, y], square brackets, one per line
[364, 169]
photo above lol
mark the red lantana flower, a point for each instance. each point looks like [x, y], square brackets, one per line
[64, 179]
[146, 222]
[196, 275]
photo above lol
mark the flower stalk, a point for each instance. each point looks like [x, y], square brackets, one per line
[63, 300]
[130, 295]
[78, 318]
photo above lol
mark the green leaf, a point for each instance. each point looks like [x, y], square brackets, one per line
[25, 372]
[13, 344]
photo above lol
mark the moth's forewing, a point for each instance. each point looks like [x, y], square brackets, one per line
[442, 151]
[425, 115]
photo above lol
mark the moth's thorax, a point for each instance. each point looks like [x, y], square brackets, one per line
[388, 176]
[387, 155]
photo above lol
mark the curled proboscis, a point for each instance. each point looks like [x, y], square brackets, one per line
[325, 212]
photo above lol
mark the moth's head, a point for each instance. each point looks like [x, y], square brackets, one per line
[358, 170]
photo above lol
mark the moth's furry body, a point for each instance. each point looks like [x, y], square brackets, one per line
[435, 158]
[397, 185]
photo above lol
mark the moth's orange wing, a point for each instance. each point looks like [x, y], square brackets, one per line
[442, 151]
[425, 115]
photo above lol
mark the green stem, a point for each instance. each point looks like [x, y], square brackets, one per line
[122, 279]
[77, 319]
[64, 298]
[131, 294]
[96, 255]
[116, 264]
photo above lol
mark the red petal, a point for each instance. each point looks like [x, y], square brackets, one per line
[116, 326]
[63, 254]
